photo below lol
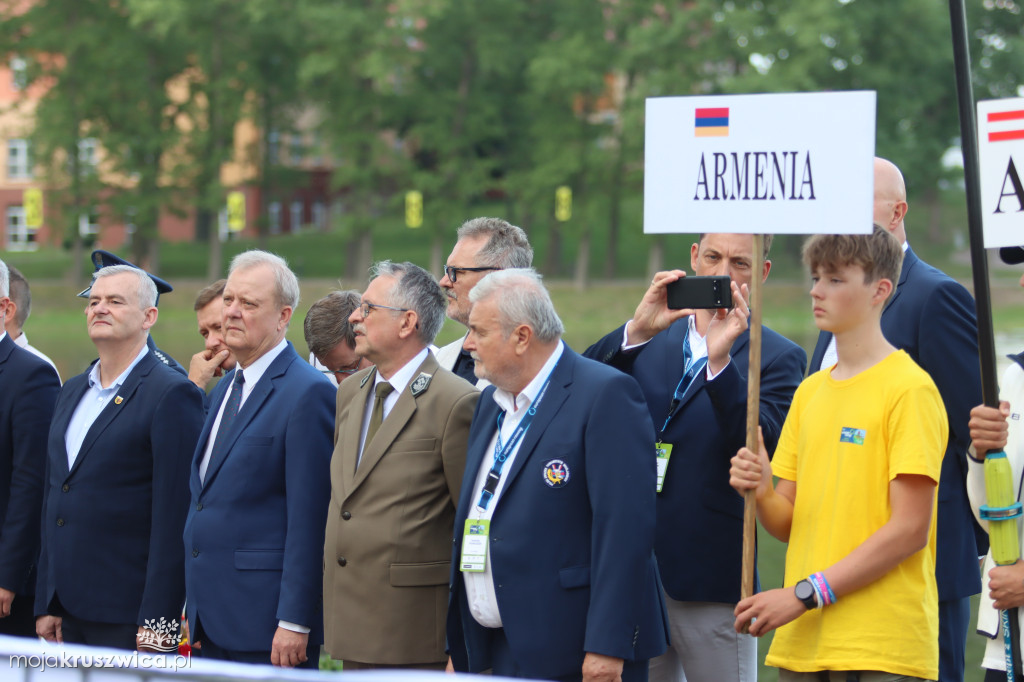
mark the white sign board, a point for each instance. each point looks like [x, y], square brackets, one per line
[799, 163]
[1001, 156]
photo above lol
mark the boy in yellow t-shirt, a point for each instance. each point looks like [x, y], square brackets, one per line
[858, 463]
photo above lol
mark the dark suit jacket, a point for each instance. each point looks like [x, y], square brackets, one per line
[110, 524]
[28, 392]
[932, 317]
[573, 565]
[699, 541]
[254, 537]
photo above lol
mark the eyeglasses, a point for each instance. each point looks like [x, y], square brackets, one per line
[365, 308]
[344, 371]
[453, 271]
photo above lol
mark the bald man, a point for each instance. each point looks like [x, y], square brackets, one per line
[932, 318]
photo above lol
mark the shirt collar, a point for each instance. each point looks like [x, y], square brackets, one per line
[2, 335]
[256, 370]
[400, 379]
[525, 398]
[94, 373]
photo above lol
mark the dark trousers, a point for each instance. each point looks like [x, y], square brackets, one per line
[210, 649]
[953, 621]
[504, 664]
[22, 621]
[114, 635]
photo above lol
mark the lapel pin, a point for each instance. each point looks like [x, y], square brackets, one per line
[118, 400]
[421, 383]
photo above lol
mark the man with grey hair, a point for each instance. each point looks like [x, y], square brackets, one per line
[19, 305]
[110, 568]
[28, 391]
[483, 245]
[399, 455]
[255, 528]
[329, 336]
[553, 562]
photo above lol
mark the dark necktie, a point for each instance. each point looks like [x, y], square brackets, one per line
[228, 418]
[381, 392]
[464, 366]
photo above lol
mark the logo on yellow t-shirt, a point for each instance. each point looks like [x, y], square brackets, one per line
[852, 435]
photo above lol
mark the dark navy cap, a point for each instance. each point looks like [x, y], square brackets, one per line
[1011, 255]
[102, 259]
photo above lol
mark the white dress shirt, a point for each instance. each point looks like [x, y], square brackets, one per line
[483, 601]
[91, 405]
[698, 346]
[399, 380]
[22, 341]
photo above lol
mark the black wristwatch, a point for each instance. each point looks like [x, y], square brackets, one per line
[805, 593]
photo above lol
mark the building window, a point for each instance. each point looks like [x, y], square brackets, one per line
[320, 215]
[20, 237]
[89, 223]
[18, 164]
[87, 153]
[295, 215]
[274, 217]
[296, 149]
[19, 73]
[273, 138]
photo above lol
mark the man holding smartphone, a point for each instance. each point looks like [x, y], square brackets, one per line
[692, 367]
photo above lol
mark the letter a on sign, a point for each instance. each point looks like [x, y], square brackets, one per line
[1001, 157]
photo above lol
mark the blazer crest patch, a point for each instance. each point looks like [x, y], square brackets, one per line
[421, 383]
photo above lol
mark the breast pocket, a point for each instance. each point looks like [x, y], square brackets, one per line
[413, 445]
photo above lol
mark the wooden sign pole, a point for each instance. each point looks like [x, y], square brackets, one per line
[753, 411]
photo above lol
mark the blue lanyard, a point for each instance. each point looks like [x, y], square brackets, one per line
[691, 370]
[502, 453]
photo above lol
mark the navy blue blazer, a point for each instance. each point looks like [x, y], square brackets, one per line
[573, 565]
[28, 393]
[932, 317]
[110, 549]
[254, 538]
[699, 541]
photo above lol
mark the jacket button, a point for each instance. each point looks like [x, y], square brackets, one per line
[199, 506]
[195, 552]
[65, 488]
[60, 522]
[342, 561]
[346, 515]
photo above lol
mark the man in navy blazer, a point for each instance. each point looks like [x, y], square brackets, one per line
[700, 518]
[28, 391]
[110, 569]
[260, 484]
[558, 578]
[932, 317]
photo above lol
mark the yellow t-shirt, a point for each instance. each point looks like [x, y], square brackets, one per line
[842, 443]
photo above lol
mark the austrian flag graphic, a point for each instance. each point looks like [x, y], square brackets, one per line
[1005, 125]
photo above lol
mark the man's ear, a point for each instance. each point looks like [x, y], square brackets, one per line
[883, 289]
[410, 324]
[522, 335]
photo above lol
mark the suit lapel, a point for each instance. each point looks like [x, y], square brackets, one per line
[478, 448]
[392, 425]
[6, 348]
[909, 261]
[353, 431]
[250, 408]
[556, 395]
[113, 408]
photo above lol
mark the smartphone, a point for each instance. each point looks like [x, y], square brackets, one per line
[699, 292]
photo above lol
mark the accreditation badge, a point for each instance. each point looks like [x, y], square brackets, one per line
[663, 451]
[474, 546]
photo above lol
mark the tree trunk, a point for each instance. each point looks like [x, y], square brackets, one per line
[656, 256]
[582, 277]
